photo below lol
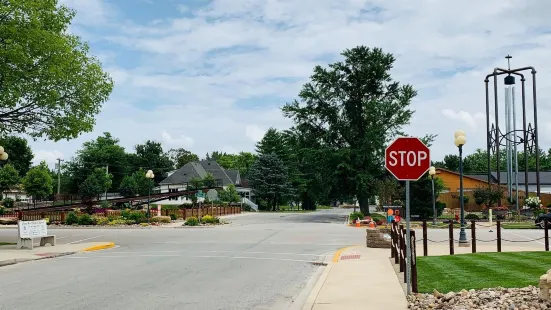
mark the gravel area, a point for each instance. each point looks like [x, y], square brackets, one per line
[493, 298]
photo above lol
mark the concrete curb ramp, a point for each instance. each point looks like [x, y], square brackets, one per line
[98, 247]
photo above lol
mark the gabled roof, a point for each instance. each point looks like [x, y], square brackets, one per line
[199, 169]
[234, 176]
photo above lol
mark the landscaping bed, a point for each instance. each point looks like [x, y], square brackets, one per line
[126, 219]
[207, 220]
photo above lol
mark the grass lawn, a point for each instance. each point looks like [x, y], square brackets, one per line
[481, 270]
[6, 243]
[519, 225]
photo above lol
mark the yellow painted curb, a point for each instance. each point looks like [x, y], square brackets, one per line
[339, 252]
[107, 245]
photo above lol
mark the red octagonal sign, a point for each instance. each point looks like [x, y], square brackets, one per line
[407, 159]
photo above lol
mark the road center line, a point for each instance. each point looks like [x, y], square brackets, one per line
[86, 239]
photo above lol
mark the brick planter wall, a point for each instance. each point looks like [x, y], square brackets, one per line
[375, 239]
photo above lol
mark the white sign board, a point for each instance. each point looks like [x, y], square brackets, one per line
[32, 229]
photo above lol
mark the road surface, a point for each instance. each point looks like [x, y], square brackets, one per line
[259, 261]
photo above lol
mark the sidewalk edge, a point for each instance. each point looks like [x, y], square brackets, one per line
[311, 300]
[107, 245]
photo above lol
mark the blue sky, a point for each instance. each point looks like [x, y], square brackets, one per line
[211, 75]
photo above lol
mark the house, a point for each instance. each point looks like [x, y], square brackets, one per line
[177, 179]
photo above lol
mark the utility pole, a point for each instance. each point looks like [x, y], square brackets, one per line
[107, 174]
[59, 160]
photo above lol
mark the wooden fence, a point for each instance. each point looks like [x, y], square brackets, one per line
[60, 216]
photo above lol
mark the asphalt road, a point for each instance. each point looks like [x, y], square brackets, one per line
[259, 261]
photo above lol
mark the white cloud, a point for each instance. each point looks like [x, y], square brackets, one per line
[181, 141]
[49, 156]
[193, 72]
[254, 132]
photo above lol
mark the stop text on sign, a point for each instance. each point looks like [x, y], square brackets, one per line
[407, 158]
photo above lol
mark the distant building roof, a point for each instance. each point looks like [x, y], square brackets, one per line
[200, 169]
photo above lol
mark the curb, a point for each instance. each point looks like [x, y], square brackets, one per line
[23, 260]
[99, 247]
[311, 300]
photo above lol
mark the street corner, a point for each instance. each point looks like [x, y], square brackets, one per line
[341, 251]
[96, 246]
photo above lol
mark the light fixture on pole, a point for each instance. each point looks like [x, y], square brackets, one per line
[432, 172]
[3, 155]
[149, 175]
[460, 140]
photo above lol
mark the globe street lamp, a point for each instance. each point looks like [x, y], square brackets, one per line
[3, 155]
[150, 176]
[460, 140]
[432, 172]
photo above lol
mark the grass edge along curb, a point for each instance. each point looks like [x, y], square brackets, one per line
[98, 247]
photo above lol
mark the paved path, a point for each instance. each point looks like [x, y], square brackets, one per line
[260, 261]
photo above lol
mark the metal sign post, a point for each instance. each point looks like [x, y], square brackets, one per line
[408, 241]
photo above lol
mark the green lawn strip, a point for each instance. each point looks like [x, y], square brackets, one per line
[481, 270]
[527, 225]
[6, 243]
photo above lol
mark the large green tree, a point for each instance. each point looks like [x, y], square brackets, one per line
[95, 184]
[353, 109]
[49, 84]
[9, 177]
[269, 180]
[150, 156]
[38, 182]
[103, 152]
[181, 156]
[20, 153]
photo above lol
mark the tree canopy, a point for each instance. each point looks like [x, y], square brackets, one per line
[50, 86]
[20, 153]
[38, 182]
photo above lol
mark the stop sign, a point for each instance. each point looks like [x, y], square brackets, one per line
[407, 159]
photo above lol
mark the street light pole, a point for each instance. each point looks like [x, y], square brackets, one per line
[432, 172]
[149, 175]
[459, 141]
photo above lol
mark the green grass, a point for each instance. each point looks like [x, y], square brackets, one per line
[521, 225]
[324, 207]
[481, 270]
[7, 243]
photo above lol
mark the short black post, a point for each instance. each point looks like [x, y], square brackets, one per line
[425, 242]
[451, 237]
[396, 257]
[546, 232]
[499, 236]
[413, 261]
[473, 234]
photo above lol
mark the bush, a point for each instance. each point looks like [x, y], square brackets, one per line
[8, 202]
[378, 217]
[2, 210]
[472, 216]
[117, 222]
[136, 217]
[355, 215]
[85, 219]
[160, 219]
[72, 218]
[100, 220]
[209, 219]
[144, 224]
[173, 216]
[192, 221]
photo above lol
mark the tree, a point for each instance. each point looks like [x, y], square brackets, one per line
[104, 152]
[150, 155]
[269, 180]
[128, 187]
[51, 86]
[95, 184]
[241, 162]
[230, 194]
[273, 142]
[38, 182]
[143, 184]
[20, 153]
[388, 190]
[9, 177]
[421, 196]
[180, 157]
[353, 109]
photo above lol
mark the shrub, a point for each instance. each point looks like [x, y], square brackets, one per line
[2, 210]
[72, 218]
[160, 219]
[172, 216]
[144, 224]
[378, 217]
[355, 215]
[47, 220]
[192, 221]
[472, 216]
[100, 220]
[8, 202]
[209, 219]
[135, 216]
[117, 222]
[85, 219]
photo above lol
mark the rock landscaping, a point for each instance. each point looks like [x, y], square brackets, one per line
[378, 238]
[486, 299]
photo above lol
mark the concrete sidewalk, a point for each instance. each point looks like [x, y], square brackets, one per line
[358, 278]
[9, 255]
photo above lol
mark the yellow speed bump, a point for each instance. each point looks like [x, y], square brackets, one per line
[103, 246]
